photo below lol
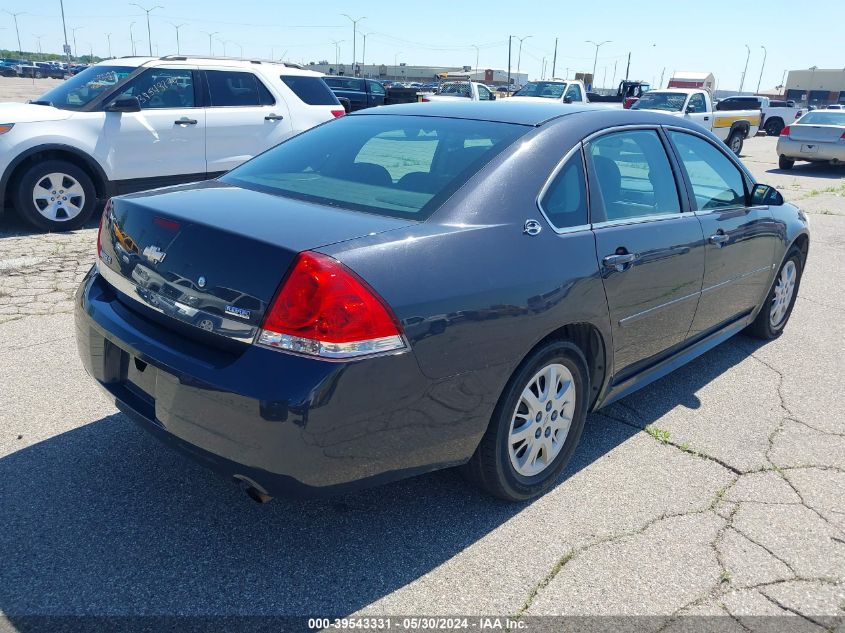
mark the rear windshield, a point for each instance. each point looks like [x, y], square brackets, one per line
[666, 101]
[311, 90]
[547, 89]
[823, 118]
[399, 166]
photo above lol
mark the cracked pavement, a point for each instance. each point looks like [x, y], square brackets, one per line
[717, 492]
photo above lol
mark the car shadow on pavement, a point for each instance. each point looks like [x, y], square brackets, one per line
[11, 225]
[832, 172]
[105, 520]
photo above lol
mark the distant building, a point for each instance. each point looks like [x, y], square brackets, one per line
[692, 79]
[422, 74]
[816, 86]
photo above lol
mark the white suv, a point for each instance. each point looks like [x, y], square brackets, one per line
[130, 124]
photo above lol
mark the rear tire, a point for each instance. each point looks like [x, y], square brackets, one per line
[785, 163]
[55, 195]
[557, 376]
[776, 310]
[735, 142]
[774, 127]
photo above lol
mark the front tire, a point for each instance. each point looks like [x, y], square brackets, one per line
[536, 425]
[55, 195]
[776, 310]
[785, 163]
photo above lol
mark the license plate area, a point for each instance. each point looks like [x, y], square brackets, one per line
[809, 148]
[141, 378]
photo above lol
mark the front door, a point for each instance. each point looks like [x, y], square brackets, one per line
[651, 252]
[696, 110]
[740, 238]
[166, 138]
[243, 119]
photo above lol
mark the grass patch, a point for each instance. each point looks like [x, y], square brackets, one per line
[658, 434]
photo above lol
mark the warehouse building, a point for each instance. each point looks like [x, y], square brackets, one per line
[816, 86]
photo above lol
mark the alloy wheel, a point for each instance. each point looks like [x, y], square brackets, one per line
[58, 197]
[784, 289]
[541, 421]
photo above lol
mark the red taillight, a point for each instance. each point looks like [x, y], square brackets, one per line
[425, 100]
[785, 131]
[324, 309]
[106, 211]
[843, 136]
[338, 113]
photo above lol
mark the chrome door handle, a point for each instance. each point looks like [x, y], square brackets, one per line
[720, 239]
[619, 262]
[186, 121]
[274, 117]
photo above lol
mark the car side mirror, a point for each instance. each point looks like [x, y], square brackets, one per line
[492, 97]
[124, 104]
[690, 109]
[567, 99]
[765, 195]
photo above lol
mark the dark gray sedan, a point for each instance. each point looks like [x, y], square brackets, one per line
[425, 286]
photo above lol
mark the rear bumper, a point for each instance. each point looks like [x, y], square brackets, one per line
[824, 151]
[293, 425]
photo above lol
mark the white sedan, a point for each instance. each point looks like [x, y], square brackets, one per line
[818, 136]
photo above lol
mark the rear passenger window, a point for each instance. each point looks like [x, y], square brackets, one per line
[311, 90]
[228, 88]
[565, 201]
[633, 175]
[716, 182]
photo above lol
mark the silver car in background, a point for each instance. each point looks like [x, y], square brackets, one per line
[818, 136]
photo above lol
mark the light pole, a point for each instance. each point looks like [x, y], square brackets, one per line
[238, 45]
[519, 56]
[476, 60]
[90, 52]
[742, 81]
[177, 27]
[761, 69]
[64, 29]
[17, 31]
[598, 45]
[38, 38]
[364, 54]
[148, 11]
[223, 42]
[337, 44]
[132, 38]
[396, 65]
[354, 33]
[108, 37]
[810, 87]
[210, 46]
[73, 30]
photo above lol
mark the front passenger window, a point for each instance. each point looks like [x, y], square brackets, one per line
[633, 175]
[162, 88]
[716, 182]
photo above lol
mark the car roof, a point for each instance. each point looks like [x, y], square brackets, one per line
[201, 60]
[589, 118]
[504, 111]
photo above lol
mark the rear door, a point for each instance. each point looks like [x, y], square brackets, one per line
[650, 249]
[243, 118]
[740, 239]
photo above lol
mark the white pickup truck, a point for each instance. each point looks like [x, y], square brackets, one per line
[471, 90]
[733, 126]
[775, 115]
[562, 90]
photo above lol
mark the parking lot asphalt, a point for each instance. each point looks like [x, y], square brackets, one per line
[717, 490]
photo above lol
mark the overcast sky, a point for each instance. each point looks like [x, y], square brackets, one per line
[661, 35]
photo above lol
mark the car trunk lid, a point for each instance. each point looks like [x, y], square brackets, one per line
[210, 256]
[815, 133]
